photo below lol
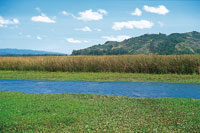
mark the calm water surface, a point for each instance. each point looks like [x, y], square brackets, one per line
[131, 89]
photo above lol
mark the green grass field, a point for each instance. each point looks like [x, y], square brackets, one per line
[89, 76]
[96, 113]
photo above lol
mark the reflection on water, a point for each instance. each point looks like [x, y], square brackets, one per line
[131, 89]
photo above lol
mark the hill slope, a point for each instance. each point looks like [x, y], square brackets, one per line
[175, 43]
[4, 52]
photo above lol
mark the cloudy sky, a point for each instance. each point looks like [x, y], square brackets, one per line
[63, 25]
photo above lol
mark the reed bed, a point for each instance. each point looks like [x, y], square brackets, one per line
[160, 64]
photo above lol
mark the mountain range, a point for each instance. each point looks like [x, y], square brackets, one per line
[25, 52]
[162, 44]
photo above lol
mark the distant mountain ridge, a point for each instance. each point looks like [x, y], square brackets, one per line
[20, 52]
[162, 44]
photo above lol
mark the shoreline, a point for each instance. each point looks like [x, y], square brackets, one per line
[99, 76]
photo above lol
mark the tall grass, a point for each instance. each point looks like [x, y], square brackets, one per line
[181, 64]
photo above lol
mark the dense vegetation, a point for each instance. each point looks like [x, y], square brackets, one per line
[176, 43]
[96, 113]
[159, 64]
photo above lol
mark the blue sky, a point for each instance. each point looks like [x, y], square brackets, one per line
[64, 25]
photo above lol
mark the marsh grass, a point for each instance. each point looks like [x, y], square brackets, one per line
[158, 64]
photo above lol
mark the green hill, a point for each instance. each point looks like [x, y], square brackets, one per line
[162, 44]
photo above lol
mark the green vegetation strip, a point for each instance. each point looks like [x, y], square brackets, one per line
[89, 76]
[89, 113]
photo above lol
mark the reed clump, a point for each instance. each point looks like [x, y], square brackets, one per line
[160, 64]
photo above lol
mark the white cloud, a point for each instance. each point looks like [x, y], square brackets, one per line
[132, 24]
[72, 40]
[159, 10]
[85, 41]
[102, 11]
[15, 21]
[42, 18]
[86, 29]
[89, 15]
[39, 38]
[38, 9]
[65, 13]
[117, 38]
[137, 12]
[5, 22]
[98, 29]
[161, 23]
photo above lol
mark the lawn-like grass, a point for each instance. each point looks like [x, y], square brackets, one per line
[96, 113]
[89, 113]
[89, 76]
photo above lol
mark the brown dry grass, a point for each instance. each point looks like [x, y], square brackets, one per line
[183, 64]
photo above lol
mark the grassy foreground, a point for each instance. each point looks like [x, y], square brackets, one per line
[89, 76]
[79, 112]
